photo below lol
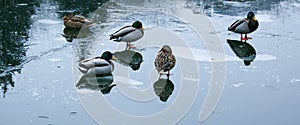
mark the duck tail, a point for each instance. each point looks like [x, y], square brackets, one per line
[232, 27]
[112, 37]
[115, 38]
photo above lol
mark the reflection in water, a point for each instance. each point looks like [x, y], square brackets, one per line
[6, 80]
[94, 82]
[163, 88]
[81, 7]
[243, 50]
[13, 36]
[92, 9]
[70, 33]
[233, 7]
[130, 58]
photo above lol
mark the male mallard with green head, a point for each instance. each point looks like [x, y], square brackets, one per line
[98, 65]
[245, 26]
[129, 33]
[165, 60]
[76, 21]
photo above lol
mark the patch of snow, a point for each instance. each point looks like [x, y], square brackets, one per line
[126, 80]
[237, 85]
[263, 18]
[48, 21]
[22, 4]
[54, 60]
[295, 80]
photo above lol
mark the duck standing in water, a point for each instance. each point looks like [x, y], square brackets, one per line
[129, 34]
[99, 66]
[245, 26]
[76, 21]
[165, 60]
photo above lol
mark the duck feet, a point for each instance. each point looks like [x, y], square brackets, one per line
[167, 74]
[246, 38]
[129, 46]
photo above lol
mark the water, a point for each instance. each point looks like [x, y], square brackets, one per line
[38, 65]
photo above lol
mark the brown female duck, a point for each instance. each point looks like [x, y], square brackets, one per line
[76, 21]
[165, 60]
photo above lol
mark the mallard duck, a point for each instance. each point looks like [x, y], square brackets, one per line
[165, 60]
[76, 21]
[245, 26]
[129, 33]
[98, 65]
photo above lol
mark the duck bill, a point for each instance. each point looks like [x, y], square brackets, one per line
[142, 28]
[114, 57]
[254, 18]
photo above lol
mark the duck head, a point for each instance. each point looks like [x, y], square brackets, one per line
[166, 49]
[68, 16]
[108, 56]
[251, 15]
[138, 25]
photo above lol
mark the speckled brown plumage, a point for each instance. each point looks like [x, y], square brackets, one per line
[76, 21]
[165, 60]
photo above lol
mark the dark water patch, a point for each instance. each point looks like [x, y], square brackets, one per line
[81, 7]
[7, 72]
[14, 30]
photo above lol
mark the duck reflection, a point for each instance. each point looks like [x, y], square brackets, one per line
[96, 82]
[130, 58]
[243, 50]
[72, 33]
[163, 88]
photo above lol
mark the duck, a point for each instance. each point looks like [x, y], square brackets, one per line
[245, 26]
[128, 34]
[99, 66]
[165, 60]
[76, 21]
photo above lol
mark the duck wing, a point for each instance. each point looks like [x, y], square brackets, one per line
[87, 64]
[164, 62]
[236, 24]
[122, 32]
[170, 63]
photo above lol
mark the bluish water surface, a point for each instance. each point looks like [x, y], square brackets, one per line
[38, 70]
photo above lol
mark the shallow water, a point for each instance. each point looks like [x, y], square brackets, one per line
[39, 66]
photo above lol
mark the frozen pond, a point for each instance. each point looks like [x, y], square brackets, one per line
[216, 80]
